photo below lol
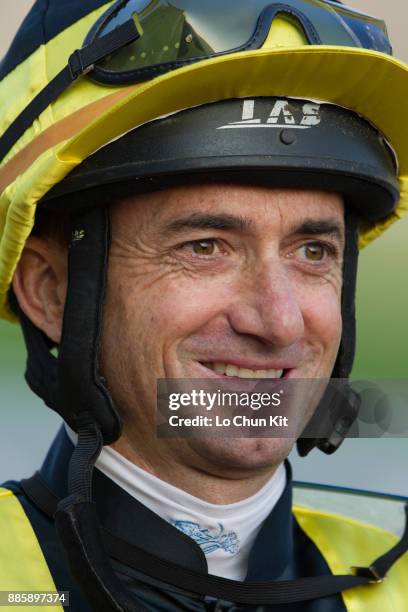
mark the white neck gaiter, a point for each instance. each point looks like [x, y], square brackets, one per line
[225, 533]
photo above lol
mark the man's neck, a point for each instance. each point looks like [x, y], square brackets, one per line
[200, 479]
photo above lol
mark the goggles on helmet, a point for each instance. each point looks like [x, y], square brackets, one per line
[184, 31]
[135, 40]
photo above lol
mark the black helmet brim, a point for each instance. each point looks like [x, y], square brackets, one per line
[341, 153]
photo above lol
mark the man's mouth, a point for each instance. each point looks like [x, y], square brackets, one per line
[227, 369]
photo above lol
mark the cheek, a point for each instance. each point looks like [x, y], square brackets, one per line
[160, 314]
[321, 308]
[181, 306]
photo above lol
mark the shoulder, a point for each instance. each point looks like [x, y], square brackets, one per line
[345, 542]
[21, 520]
[17, 512]
[323, 527]
[22, 562]
[11, 495]
[30, 556]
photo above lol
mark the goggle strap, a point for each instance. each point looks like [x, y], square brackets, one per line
[83, 60]
[79, 63]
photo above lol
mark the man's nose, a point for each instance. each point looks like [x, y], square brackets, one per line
[268, 306]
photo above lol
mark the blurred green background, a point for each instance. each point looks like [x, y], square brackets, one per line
[27, 426]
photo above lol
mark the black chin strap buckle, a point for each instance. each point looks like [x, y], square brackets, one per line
[370, 572]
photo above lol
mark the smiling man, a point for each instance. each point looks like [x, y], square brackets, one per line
[170, 230]
[206, 278]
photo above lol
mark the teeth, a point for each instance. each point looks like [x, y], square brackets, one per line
[231, 370]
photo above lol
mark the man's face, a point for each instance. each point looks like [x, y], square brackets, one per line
[213, 281]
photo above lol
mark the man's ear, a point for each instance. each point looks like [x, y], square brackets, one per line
[40, 284]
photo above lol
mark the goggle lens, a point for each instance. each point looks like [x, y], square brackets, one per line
[181, 31]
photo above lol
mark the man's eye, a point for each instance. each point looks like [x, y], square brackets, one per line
[314, 251]
[202, 247]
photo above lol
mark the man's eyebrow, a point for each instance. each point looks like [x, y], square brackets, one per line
[209, 221]
[318, 227]
[223, 221]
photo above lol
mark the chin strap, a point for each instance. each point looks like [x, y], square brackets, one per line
[71, 385]
[88, 546]
[79, 530]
